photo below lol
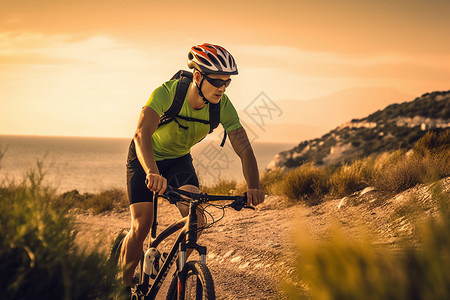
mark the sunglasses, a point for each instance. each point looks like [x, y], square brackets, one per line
[218, 82]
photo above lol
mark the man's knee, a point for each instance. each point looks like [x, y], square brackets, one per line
[184, 210]
[140, 229]
[190, 188]
[141, 220]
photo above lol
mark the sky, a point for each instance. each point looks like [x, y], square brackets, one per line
[86, 67]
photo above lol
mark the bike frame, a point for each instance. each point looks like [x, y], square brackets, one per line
[187, 239]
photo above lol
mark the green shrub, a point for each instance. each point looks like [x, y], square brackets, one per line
[341, 268]
[307, 183]
[350, 178]
[39, 258]
[107, 200]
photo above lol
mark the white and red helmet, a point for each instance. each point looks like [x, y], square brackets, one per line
[212, 59]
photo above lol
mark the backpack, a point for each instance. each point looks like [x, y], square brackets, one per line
[185, 79]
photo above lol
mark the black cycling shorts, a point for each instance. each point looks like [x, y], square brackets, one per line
[178, 172]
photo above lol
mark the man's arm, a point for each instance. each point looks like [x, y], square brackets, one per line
[147, 124]
[243, 149]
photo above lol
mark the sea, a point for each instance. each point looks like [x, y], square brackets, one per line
[91, 165]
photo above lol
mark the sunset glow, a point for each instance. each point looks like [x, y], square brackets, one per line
[84, 68]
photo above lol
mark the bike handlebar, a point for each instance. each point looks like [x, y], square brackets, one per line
[175, 195]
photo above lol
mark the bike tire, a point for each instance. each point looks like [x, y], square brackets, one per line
[116, 248]
[195, 282]
[173, 288]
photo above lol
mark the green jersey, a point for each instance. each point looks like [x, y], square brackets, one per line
[172, 140]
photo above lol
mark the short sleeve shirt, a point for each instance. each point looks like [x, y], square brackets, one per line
[171, 140]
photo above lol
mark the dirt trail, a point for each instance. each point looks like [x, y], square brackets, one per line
[250, 251]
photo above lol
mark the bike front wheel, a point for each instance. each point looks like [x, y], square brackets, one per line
[194, 282]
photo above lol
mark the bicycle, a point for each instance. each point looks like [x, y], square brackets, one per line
[192, 280]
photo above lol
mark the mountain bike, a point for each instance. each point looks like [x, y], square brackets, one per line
[191, 280]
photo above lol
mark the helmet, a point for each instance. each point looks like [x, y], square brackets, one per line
[212, 59]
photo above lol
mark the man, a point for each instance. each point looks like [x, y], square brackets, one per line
[160, 155]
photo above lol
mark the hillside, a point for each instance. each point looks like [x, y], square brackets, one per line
[398, 126]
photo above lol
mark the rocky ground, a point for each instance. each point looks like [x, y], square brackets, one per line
[250, 253]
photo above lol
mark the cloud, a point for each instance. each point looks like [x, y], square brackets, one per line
[301, 67]
[326, 64]
[33, 48]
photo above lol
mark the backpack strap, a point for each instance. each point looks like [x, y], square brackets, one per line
[178, 100]
[224, 138]
[185, 78]
[214, 120]
[214, 116]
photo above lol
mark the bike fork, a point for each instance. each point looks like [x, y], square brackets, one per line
[182, 259]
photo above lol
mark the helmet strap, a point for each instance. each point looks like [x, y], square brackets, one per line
[200, 90]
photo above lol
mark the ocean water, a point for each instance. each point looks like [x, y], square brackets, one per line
[94, 164]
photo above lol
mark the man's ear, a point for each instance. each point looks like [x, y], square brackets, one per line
[197, 76]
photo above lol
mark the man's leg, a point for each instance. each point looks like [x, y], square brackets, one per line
[141, 221]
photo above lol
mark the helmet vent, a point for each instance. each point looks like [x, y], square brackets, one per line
[231, 61]
[204, 61]
[222, 60]
[213, 59]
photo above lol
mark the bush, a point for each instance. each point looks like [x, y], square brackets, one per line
[353, 177]
[428, 162]
[39, 258]
[307, 183]
[355, 269]
[431, 143]
[107, 200]
[401, 175]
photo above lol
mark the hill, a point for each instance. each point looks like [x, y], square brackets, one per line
[398, 126]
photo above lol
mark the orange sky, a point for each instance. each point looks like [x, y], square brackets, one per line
[86, 67]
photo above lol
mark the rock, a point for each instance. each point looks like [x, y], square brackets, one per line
[228, 254]
[236, 259]
[342, 202]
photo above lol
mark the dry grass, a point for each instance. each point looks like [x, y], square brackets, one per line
[350, 178]
[392, 172]
[344, 268]
[112, 199]
[307, 183]
[221, 187]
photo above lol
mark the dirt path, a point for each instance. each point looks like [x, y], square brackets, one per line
[250, 251]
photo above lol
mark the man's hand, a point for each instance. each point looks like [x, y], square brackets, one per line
[156, 183]
[255, 197]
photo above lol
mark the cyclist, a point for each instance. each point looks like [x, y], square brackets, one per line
[160, 155]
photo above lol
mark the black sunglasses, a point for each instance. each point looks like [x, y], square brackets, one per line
[218, 82]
